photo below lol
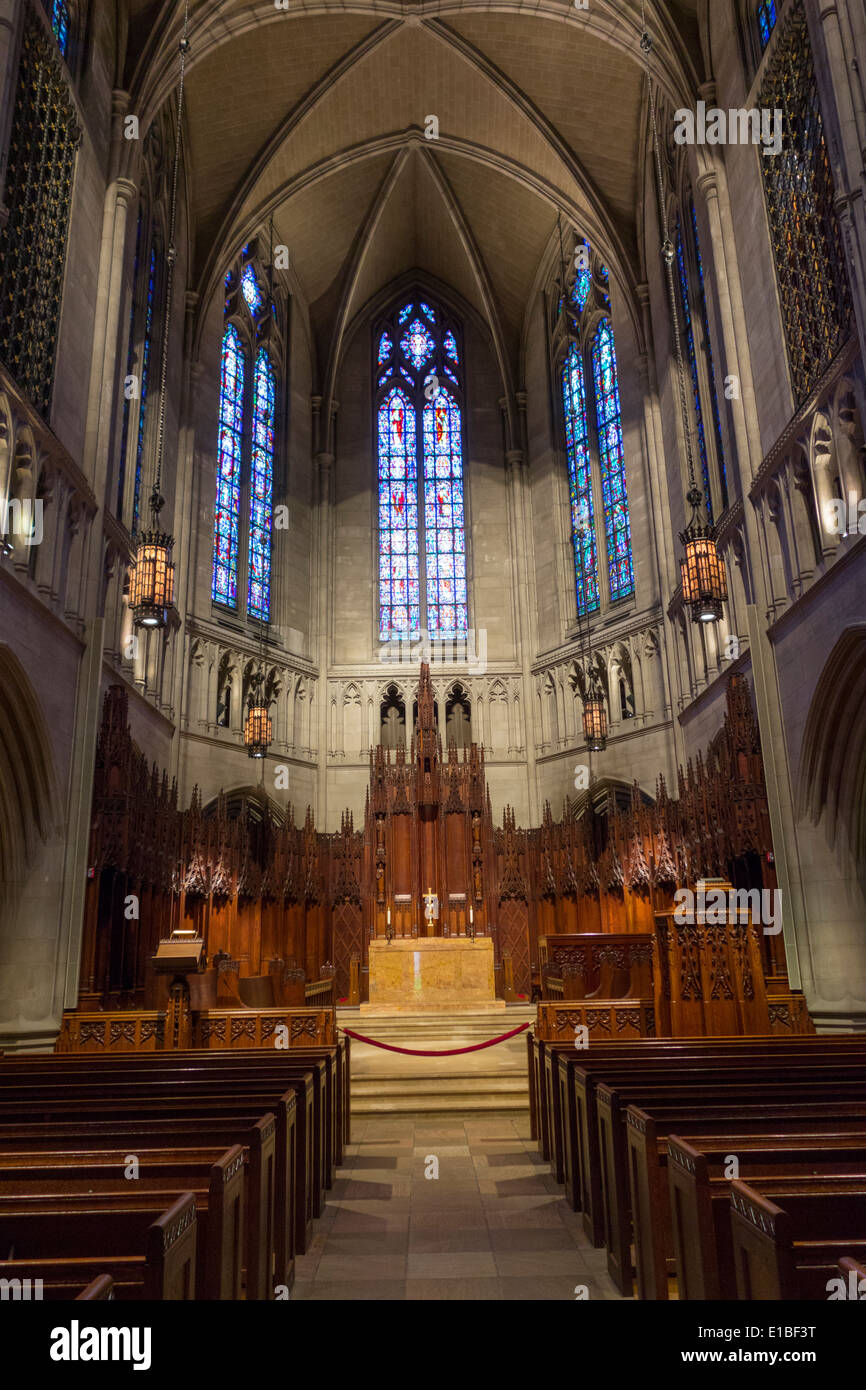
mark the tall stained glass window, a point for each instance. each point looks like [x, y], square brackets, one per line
[592, 421]
[38, 189]
[807, 242]
[766, 20]
[399, 572]
[247, 453]
[230, 446]
[580, 482]
[617, 525]
[444, 521]
[261, 489]
[419, 438]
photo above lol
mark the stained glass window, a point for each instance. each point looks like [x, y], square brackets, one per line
[807, 242]
[399, 578]
[251, 292]
[422, 530]
[261, 489]
[766, 20]
[444, 521]
[583, 277]
[711, 369]
[416, 343]
[693, 363]
[610, 447]
[228, 497]
[58, 13]
[580, 483]
[386, 347]
[37, 193]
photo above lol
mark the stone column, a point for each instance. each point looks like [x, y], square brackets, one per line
[187, 509]
[324, 626]
[518, 511]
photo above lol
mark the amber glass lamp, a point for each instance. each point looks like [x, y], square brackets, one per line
[258, 728]
[151, 587]
[705, 579]
[595, 721]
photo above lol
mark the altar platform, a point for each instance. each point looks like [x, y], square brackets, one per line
[447, 974]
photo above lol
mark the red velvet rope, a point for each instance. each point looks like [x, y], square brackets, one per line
[449, 1052]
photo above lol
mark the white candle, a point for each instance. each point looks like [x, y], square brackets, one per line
[471, 915]
[389, 917]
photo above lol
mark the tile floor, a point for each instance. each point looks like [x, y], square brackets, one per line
[493, 1225]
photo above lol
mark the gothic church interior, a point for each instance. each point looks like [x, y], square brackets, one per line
[433, 605]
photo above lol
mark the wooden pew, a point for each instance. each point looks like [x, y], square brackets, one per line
[789, 1239]
[555, 1115]
[136, 1094]
[215, 1180]
[146, 1259]
[99, 1290]
[266, 1249]
[330, 1067]
[700, 1227]
[695, 1089]
[580, 1074]
[148, 1078]
[853, 1275]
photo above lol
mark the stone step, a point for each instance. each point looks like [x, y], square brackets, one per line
[441, 1085]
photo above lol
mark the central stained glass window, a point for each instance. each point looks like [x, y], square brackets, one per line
[419, 439]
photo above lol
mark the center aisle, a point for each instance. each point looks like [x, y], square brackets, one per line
[492, 1225]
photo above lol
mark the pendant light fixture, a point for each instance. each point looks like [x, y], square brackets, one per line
[704, 577]
[258, 728]
[594, 709]
[151, 585]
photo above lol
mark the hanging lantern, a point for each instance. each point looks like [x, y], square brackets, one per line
[258, 730]
[151, 586]
[705, 579]
[595, 721]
